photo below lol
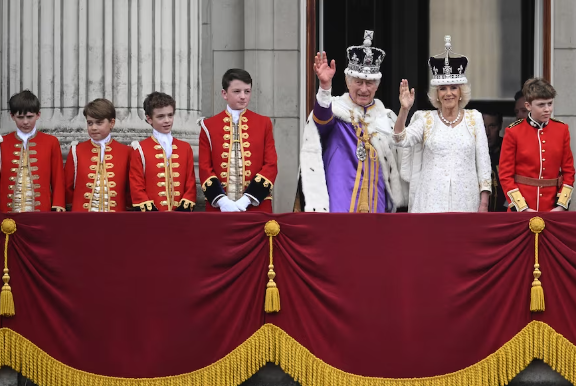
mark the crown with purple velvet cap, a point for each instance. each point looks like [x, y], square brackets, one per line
[364, 61]
[448, 67]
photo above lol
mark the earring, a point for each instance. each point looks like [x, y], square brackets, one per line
[437, 100]
[460, 98]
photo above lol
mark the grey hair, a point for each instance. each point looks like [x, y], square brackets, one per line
[465, 94]
[349, 78]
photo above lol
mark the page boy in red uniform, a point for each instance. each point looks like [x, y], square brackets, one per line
[96, 170]
[237, 160]
[31, 175]
[536, 162]
[162, 167]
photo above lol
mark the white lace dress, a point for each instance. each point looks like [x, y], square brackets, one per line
[455, 163]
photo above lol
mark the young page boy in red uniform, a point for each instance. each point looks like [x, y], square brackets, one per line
[162, 167]
[31, 175]
[96, 170]
[237, 160]
[536, 162]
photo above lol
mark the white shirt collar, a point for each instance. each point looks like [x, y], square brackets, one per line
[165, 140]
[102, 144]
[25, 136]
[235, 113]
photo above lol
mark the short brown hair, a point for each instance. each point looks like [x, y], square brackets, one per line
[157, 100]
[538, 88]
[100, 109]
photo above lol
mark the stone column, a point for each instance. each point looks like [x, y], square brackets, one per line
[69, 52]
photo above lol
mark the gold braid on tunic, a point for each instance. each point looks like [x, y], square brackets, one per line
[367, 170]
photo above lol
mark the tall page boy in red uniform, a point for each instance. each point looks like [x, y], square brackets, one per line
[536, 163]
[31, 175]
[162, 167]
[237, 160]
[96, 170]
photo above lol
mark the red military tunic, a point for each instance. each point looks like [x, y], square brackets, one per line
[536, 165]
[258, 158]
[166, 183]
[37, 169]
[95, 186]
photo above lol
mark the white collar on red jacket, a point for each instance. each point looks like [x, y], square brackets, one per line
[165, 140]
[25, 136]
[235, 113]
[102, 144]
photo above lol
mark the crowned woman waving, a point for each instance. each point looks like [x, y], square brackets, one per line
[449, 168]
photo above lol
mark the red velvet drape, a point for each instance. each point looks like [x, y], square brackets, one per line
[157, 294]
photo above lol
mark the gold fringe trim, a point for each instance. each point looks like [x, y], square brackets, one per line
[272, 344]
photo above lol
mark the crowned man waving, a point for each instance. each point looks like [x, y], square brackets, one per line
[348, 162]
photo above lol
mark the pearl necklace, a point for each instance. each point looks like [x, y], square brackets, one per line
[449, 123]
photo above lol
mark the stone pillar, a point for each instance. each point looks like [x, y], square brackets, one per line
[261, 36]
[69, 52]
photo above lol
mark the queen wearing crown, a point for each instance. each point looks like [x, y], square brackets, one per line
[348, 159]
[448, 163]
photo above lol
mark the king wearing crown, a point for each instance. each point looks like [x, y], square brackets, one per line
[348, 161]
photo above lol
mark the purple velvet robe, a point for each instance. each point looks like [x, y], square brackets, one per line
[339, 143]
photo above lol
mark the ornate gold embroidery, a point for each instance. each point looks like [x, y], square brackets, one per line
[161, 184]
[159, 156]
[16, 153]
[93, 167]
[108, 157]
[95, 150]
[246, 144]
[94, 159]
[174, 156]
[247, 154]
[226, 145]
[110, 174]
[245, 135]
[160, 165]
[226, 137]
[224, 155]
[157, 147]
[176, 174]
[161, 175]
[224, 174]
[247, 173]
[248, 163]
[175, 165]
[224, 165]
[227, 128]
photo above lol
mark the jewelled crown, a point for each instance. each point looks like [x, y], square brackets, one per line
[364, 61]
[448, 67]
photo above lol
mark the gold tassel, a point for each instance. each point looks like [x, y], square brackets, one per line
[6, 298]
[537, 293]
[272, 301]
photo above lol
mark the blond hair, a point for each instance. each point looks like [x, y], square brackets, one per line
[465, 94]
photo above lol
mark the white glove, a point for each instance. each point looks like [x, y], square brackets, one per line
[227, 205]
[243, 202]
